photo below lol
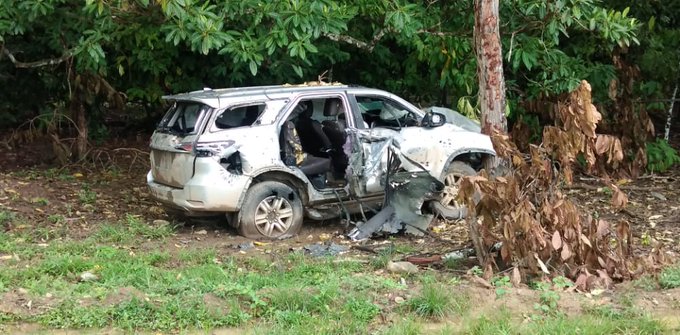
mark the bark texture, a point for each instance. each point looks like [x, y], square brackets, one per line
[490, 69]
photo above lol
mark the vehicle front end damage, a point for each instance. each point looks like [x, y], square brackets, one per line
[410, 169]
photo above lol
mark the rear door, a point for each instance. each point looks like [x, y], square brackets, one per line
[172, 157]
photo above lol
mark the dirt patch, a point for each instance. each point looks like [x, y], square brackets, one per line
[215, 305]
[123, 294]
[19, 302]
[653, 210]
[73, 202]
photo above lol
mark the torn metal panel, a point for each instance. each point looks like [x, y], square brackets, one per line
[408, 193]
[405, 198]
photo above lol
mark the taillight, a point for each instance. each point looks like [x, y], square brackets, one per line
[185, 146]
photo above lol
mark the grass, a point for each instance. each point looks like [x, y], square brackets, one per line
[189, 289]
[670, 277]
[6, 217]
[130, 229]
[594, 321]
[407, 326]
[199, 289]
[87, 196]
[437, 301]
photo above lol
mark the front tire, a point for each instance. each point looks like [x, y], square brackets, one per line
[448, 206]
[271, 210]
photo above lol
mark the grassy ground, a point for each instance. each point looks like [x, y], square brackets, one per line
[88, 253]
[205, 290]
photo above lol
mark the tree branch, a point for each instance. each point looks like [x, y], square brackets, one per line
[368, 46]
[442, 33]
[45, 62]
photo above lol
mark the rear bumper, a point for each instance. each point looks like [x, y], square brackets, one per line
[207, 191]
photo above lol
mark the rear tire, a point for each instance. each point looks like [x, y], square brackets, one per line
[271, 210]
[448, 207]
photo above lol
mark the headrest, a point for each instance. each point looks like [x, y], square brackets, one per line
[333, 107]
[305, 108]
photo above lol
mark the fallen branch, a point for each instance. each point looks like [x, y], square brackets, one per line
[365, 249]
[633, 215]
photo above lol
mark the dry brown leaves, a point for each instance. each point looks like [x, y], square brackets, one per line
[541, 229]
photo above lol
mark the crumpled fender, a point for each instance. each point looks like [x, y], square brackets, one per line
[435, 148]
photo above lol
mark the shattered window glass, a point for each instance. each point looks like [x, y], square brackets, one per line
[381, 112]
[239, 116]
[183, 118]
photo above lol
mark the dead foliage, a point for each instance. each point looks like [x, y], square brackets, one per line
[624, 127]
[540, 228]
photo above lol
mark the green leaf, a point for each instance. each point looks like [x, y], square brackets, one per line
[253, 67]
[526, 59]
[298, 70]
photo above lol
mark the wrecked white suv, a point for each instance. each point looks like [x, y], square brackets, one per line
[269, 156]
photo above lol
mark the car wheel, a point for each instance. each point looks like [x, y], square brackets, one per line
[271, 210]
[448, 206]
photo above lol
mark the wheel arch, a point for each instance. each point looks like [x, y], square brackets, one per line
[475, 158]
[289, 179]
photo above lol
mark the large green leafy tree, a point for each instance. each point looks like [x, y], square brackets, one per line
[74, 55]
[658, 56]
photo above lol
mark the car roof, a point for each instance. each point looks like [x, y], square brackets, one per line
[218, 97]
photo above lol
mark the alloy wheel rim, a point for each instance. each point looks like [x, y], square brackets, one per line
[273, 216]
[450, 191]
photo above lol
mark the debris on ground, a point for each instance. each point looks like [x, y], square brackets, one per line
[424, 260]
[402, 267]
[459, 254]
[407, 192]
[245, 246]
[320, 250]
[88, 276]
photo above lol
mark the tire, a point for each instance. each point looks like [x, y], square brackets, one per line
[448, 207]
[271, 210]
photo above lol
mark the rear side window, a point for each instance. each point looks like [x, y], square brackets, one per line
[183, 118]
[239, 116]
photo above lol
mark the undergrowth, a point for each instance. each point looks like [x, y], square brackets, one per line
[661, 156]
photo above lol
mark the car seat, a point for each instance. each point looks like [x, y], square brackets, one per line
[312, 136]
[335, 131]
[292, 154]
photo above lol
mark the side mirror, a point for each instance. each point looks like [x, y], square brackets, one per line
[433, 119]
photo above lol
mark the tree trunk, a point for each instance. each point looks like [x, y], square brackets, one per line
[490, 70]
[669, 116]
[80, 118]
